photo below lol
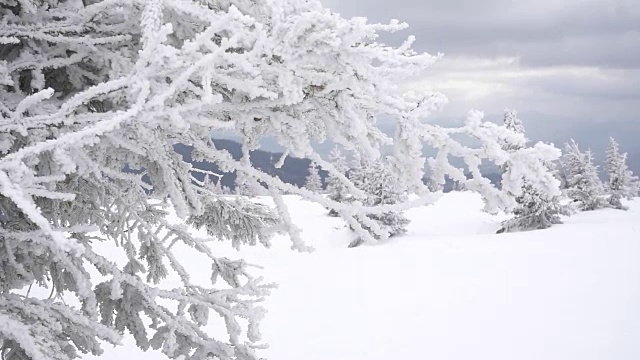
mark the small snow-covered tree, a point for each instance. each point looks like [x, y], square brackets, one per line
[248, 186]
[380, 188]
[536, 208]
[313, 182]
[521, 164]
[336, 188]
[513, 123]
[226, 190]
[213, 183]
[535, 211]
[583, 184]
[622, 183]
[458, 186]
[216, 186]
[433, 186]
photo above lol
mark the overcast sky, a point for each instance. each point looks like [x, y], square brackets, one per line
[570, 67]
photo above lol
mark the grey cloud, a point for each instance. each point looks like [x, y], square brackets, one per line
[597, 33]
[617, 87]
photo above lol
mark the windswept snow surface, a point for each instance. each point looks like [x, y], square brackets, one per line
[450, 289]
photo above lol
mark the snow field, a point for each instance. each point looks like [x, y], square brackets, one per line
[449, 289]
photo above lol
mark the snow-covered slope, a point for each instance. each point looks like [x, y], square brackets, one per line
[450, 289]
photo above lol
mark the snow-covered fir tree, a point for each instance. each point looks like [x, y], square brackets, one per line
[93, 97]
[216, 187]
[313, 181]
[458, 186]
[622, 183]
[583, 184]
[380, 188]
[244, 189]
[433, 186]
[248, 186]
[512, 123]
[213, 184]
[535, 209]
[336, 188]
[520, 163]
